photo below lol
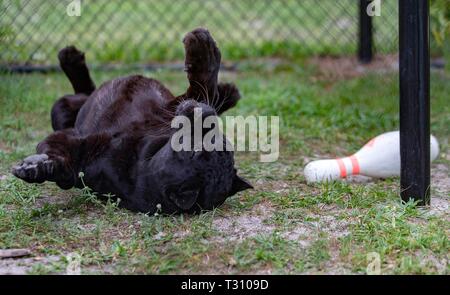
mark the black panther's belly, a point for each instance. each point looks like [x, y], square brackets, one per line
[126, 104]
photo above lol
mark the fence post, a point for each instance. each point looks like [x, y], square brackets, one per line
[365, 33]
[414, 100]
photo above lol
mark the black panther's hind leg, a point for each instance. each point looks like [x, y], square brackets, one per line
[202, 64]
[65, 109]
[73, 64]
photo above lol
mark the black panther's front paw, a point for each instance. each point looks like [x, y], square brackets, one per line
[34, 169]
[202, 55]
[71, 57]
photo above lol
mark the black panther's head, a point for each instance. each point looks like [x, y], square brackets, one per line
[195, 179]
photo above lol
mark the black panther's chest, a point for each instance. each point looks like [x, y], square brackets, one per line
[115, 168]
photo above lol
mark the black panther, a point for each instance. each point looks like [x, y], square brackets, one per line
[118, 135]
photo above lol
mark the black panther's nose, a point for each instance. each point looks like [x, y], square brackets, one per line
[197, 113]
[189, 107]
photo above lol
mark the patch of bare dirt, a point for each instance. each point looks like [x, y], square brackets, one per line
[440, 191]
[257, 222]
[302, 234]
[337, 68]
[22, 266]
[440, 178]
[249, 224]
[59, 198]
[428, 259]
[4, 147]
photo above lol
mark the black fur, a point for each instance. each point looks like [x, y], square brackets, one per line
[119, 134]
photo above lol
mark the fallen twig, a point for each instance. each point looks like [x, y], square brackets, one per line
[12, 253]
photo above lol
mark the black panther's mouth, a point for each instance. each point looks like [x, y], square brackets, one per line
[183, 198]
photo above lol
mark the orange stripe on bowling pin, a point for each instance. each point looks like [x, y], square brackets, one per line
[343, 170]
[355, 164]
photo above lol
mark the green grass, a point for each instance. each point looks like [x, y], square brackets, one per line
[298, 228]
[152, 30]
[144, 31]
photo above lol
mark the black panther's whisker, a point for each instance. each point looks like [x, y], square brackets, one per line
[224, 99]
[204, 90]
[216, 99]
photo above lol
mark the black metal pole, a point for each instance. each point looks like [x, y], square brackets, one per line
[414, 100]
[365, 33]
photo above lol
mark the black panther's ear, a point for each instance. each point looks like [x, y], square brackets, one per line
[239, 184]
[184, 200]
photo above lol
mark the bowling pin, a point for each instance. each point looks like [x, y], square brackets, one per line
[380, 157]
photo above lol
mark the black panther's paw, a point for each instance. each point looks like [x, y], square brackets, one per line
[34, 169]
[70, 56]
[202, 55]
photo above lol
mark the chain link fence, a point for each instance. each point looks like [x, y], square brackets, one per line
[143, 31]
